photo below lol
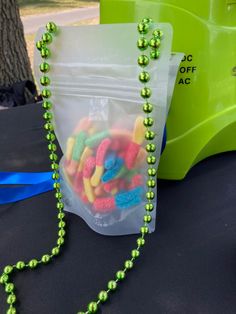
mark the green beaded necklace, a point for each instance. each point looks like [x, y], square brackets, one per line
[144, 77]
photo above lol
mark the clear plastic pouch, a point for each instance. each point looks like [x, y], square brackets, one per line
[98, 118]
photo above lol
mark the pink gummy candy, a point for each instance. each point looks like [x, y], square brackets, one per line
[122, 154]
[109, 186]
[84, 198]
[104, 204]
[115, 144]
[78, 182]
[83, 125]
[131, 155]
[136, 181]
[102, 150]
[89, 167]
[122, 185]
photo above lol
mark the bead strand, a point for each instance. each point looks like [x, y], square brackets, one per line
[47, 38]
[145, 93]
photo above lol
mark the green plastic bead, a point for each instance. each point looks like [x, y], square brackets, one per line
[140, 241]
[150, 195]
[129, 264]
[147, 108]
[40, 45]
[55, 251]
[150, 148]
[53, 157]
[149, 207]
[45, 258]
[47, 105]
[11, 310]
[33, 263]
[49, 127]
[8, 269]
[4, 278]
[148, 122]
[112, 285]
[58, 195]
[152, 172]
[154, 43]
[51, 27]
[61, 233]
[147, 218]
[61, 215]
[144, 77]
[143, 28]
[11, 299]
[92, 307]
[146, 92]
[60, 205]
[47, 116]
[149, 135]
[157, 33]
[142, 44]
[103, 296]
[50, 137]
[9, 287]
[55, 176]
[60, 241]
[154, 54]
[47, 38]
[46, 93]
[45, 53]
[135, 253]
[54, 166]
[52, 147]
[56, 185]
[144, 230]
[45, 80]
[147, 20]
[61, 224]
[20, 265]
[44, 67]
[151, 183]
[143, 60]
[120, 275]
[151, 160]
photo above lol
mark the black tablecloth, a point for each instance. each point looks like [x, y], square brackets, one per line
[187, 266]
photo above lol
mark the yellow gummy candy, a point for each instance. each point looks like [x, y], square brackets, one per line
[141, 157]
[86, 153]
[139, 131]
[96, 178]
[88, 190]
[69, 147]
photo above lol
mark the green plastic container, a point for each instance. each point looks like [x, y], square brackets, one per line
[202, 118]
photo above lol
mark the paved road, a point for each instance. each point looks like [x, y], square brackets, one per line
[33, 22]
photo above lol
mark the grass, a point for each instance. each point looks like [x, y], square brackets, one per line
[30, 38]
[30, 7]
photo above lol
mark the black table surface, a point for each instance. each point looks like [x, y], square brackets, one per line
[187, 266]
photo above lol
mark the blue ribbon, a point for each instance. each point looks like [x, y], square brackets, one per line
[36, 183]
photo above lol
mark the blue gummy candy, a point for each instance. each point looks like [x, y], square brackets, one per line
[129, 196]
[111, 173]
[131, 203]
[110, 160]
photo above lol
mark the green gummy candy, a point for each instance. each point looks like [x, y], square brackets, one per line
[131, 173]
[79, 146]
[95, 139]
[121, 173]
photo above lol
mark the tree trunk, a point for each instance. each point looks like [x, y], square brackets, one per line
[14, 60]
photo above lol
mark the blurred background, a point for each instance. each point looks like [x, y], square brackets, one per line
[35, 13]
